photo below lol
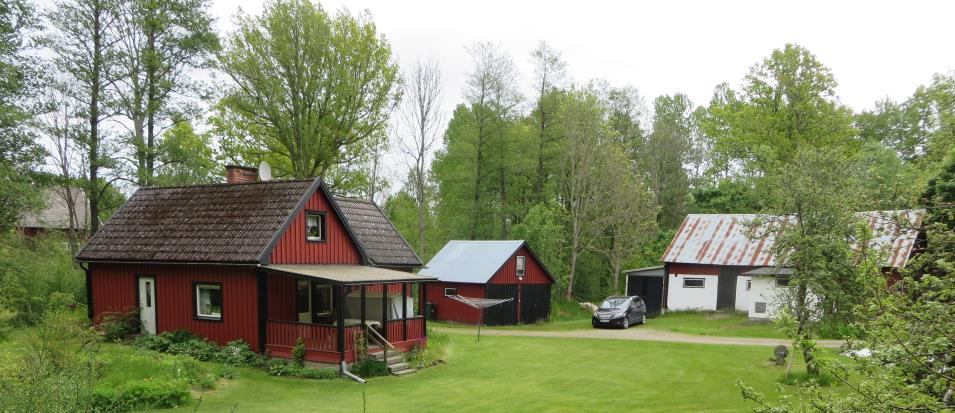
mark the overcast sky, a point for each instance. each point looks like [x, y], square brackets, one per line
[875, 49]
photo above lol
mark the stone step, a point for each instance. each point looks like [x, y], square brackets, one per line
[398, 366]
[404, 372]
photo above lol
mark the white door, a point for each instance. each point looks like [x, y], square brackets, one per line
[147, 304]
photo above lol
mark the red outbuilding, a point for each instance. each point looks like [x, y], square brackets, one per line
[264, 262]
[489, 269]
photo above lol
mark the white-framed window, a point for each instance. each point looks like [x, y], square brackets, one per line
[749, 284]
[449, 291]
[694, 282]
[315, 226]
[782, 281]
[521, 266]
[208, 301]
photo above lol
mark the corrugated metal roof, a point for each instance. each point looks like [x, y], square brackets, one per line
[348, 274]
[470, 261]
[727, 239]
[657, 271]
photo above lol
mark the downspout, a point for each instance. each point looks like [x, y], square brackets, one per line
[350, 375]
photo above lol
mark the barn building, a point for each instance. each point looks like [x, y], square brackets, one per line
[713, 262]
[489, 269]
[56, 214]
[265, 262]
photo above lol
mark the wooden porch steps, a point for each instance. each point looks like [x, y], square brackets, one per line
[396, 361]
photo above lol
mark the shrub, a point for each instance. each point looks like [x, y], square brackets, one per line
[803, 379]
[237, 353]
[118, 327]
[33, 270]
[202, 350]
[421, 357]
[370, 368]
[279, 367]
[148, 393]
[298, 352]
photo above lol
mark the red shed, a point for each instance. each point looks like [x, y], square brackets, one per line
[489, 269]
[264, 262]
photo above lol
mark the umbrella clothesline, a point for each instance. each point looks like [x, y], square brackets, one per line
[480, 304]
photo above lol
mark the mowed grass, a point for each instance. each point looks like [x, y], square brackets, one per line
[696, 323]
[528, 374]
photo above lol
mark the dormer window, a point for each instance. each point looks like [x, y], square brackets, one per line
[521, 263]
[315, 226]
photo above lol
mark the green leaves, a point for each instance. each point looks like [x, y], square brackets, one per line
[311, 89]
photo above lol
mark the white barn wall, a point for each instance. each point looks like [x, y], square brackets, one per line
[763, 290]
[742, 294]
[680, 298]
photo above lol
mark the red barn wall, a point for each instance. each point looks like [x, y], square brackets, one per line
[533, 271]
[282, 298]
[452, 310]
[114, 290]
[338, 247]
[694, 269]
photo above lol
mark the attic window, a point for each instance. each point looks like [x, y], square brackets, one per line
[450, 291]
[521, 262]
[315, 226]
[782, 281]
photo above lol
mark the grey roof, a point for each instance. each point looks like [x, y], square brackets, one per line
[377, 235]
[728, 239]
[348, 274]
[56, 213]
[657, 271]
[218, 223]
[470, 261]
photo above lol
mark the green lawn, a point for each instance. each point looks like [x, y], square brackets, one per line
[528, 374]
[697, 323]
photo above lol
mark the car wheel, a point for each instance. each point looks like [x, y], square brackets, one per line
[626, 322]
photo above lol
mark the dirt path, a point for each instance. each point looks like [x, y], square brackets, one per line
[640, 333]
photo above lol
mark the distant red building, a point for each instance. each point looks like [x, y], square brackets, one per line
[489, 269]
[265, 262]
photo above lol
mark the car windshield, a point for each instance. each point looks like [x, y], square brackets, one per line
[615, 303]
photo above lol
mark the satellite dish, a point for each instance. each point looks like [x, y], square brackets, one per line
[265, 172]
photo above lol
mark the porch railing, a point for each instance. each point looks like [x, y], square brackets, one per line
[317, 337]
[411, 328]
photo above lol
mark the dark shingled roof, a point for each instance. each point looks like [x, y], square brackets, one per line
[377, 235]
[220, 223]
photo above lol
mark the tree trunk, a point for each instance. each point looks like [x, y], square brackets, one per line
[92, 191]
[573, 261]
[802, 332]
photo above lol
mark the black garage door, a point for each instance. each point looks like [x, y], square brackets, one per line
[534, 301]
[649, 288]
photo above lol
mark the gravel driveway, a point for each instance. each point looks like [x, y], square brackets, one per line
[640, 333]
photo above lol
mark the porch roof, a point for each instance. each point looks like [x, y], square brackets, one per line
[347, 274]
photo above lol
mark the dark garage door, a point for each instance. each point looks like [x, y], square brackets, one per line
[535, 302]
[648, 288]
[505, 313]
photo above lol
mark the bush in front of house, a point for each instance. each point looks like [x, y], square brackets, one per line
[119, 327]
[420, 357]
[286, 368]
[369, 367]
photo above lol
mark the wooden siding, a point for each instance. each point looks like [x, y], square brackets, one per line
[114, 289]
[451, 310]
[533, 271]
[282, 298]
[338, 247]
[693, 269]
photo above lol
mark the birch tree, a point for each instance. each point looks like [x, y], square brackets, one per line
[550, 71]
[421, 121]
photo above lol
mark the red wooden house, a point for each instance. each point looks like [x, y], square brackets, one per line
[265, 262]
[489, 269]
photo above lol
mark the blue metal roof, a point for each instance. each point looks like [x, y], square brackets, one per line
[470, 261]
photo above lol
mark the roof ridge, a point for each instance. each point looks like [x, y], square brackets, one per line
[226, 184]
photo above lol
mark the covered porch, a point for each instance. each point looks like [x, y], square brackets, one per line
[328, 306]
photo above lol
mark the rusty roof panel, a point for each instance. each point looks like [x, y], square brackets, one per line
[733, 240]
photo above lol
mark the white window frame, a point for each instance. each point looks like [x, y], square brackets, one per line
[749, 284]
[694, 279]
[450, 288]
[208, 316]
[320, 224]
[521, 266]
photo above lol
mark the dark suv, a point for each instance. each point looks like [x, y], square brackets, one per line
[620, 311]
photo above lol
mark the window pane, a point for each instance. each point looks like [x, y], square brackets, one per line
[450, 291]
[209, 301]
[520, 266]
[323, 299]
[694, 282]
[313, 226]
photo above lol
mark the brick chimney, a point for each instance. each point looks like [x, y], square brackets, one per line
[241, 174]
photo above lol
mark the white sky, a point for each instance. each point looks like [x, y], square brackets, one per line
[875, 49]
